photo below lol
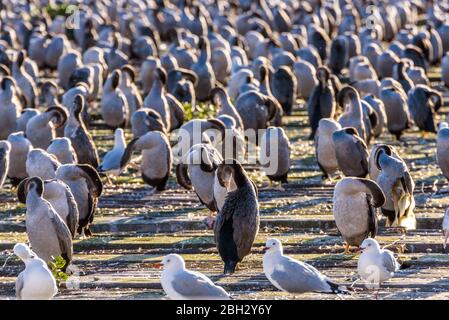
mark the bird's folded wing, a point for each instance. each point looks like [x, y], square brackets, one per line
[73, 216]
[226, 212]
[189, 284]
[363, 150]
[245, 224]
[389, 261]
[294, 276]
[63, 234]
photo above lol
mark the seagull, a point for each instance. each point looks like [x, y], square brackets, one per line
[293, 276]
[376, 265]
[182, 284]
[111, 160]
[36, 282]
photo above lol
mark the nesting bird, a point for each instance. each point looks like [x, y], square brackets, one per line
[181, 84]
[128, 87]
[338, 54]
[140, 67]
[233, 145]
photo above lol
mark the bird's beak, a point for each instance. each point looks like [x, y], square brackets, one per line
[265, 249]
[158, 265]
[359, 250]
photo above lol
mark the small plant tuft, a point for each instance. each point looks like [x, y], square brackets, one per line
[56, 266]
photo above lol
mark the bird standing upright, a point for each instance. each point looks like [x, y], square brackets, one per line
[238, 220]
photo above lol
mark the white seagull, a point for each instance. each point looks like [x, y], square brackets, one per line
[182, 284]
[376, 265]
[111, 160]
[293, 276]
[36, 282]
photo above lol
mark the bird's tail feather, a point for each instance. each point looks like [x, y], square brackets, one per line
[338, 289]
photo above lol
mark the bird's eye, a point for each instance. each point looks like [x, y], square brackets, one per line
[168, 260]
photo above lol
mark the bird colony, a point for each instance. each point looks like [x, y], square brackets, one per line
[199, 149]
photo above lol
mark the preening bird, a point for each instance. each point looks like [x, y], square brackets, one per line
[48, 234]
[86, 187]
[355, 209]
[59, 195]
[398, 185]
[156, 158]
